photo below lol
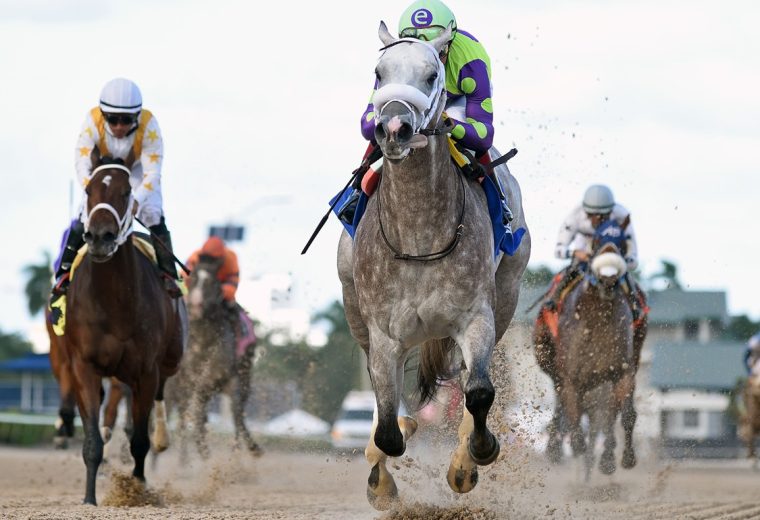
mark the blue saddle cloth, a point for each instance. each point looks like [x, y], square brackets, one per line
[503, 239]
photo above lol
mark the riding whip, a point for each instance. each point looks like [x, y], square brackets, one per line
[373, 155]
[165, 247]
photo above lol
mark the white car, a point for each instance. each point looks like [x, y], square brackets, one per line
[354, 423]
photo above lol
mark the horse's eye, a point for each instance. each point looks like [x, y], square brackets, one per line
[431, 79]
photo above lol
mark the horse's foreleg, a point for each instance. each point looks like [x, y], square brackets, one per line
[571, 405]
[477, 342]
[463, 471]
[111, 410]
[160, 439]
[196, 414]
[554, 430]
[381, 488]
[607, 462]
[64, 425]
[88, 384]
[240, 391]
[389, 432]
[142, 402]
[624, 402]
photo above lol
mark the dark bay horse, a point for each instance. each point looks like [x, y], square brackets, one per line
[458, 302]
[120, 322]
[211, 364]
[596, 344]
[750, 416]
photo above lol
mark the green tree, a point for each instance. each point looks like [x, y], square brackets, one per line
[38, 284]
[741, 328]
[668, 275]
[537, 276]
[337, 366]
[323, 375]
[12, 345]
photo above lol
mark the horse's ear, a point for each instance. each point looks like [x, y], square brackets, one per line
[626, 222]
[95, 157]
[443, 39]
[385, 36]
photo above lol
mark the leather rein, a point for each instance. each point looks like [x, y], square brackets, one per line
[429, 257]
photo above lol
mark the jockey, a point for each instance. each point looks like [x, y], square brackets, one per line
[752, 353]
[576, 236]
[228, 273]
[469, 109]
[119, 127]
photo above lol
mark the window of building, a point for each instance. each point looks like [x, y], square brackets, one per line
[691, 329]
[690, 418]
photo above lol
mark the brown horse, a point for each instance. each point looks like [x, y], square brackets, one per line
[595, 343]
[750, 417]
[212, 363]
[120, 322]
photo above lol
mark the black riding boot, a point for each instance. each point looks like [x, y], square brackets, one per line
[74, 241]
[571, 273]
[162, 243]
[633, 297]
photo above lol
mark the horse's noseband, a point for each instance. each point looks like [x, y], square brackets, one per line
[124, 222]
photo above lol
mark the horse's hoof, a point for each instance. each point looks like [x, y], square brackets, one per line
[256, 450]
[105, 433]
[629, 459]
[578, 444]
[554, 450]
[382, 492]
[607, 463]
[60, 442]
[462, 480]
[490, 453]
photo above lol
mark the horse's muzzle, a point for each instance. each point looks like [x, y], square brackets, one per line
[394, 132]
[100, 247]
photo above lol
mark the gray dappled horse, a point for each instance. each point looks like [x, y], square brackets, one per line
[596, 345]
[211, 365]
[458, 298]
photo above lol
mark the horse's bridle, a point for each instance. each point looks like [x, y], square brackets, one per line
[426, 104]
[124, 222]
[412, 97]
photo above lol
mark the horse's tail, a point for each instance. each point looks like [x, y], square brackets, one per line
[436, 358]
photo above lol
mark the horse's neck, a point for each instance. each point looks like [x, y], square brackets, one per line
[116, 281]
[420, 194]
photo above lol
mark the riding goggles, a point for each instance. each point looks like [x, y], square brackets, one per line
[120, 119]
[429, 33]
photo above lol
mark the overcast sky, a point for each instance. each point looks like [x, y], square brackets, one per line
[260, 104]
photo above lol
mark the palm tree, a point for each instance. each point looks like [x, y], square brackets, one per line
[669, 275]
[38, 284]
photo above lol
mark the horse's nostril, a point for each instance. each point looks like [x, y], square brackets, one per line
[405, 133]
[380, 132]
[88, 237]
[109, 237]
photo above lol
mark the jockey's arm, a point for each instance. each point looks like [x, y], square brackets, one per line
[632, 253]
[566, 236]
[476, 132]
[230, 276]
[151, 159]
[88, 136]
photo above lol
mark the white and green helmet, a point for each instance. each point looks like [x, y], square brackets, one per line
[425, 20]
[598, 200]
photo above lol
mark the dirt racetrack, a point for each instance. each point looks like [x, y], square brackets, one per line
[46, 484]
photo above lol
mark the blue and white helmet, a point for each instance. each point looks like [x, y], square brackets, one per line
[754, 342]
[120, 96]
